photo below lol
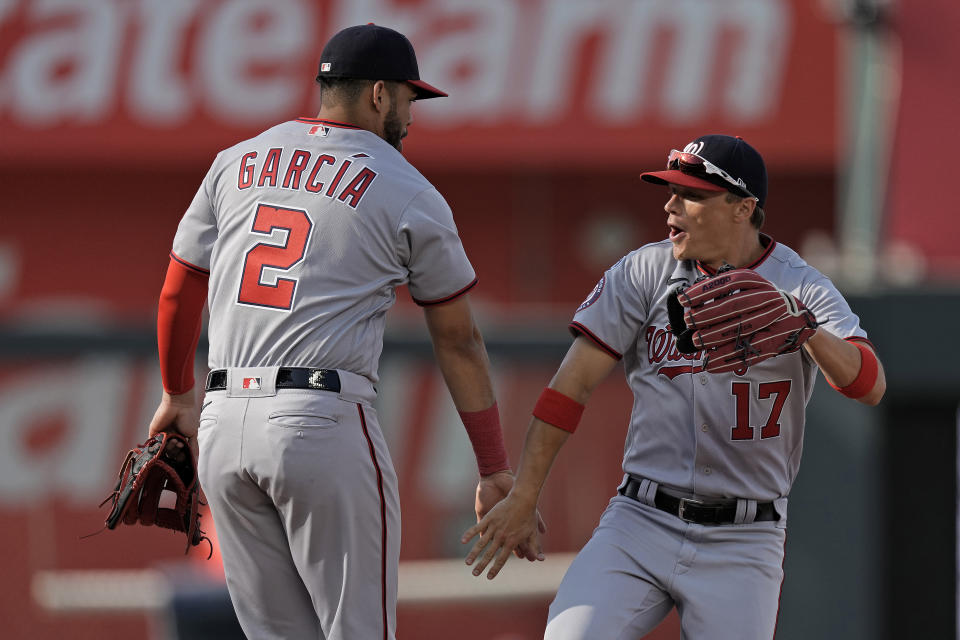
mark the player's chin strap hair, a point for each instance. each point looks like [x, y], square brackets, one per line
[866, 378]
[558, 409]
[486, 436]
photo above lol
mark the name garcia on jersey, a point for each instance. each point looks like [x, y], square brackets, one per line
[317, 173]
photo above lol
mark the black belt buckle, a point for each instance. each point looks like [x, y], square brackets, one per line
[304, 378]
[682, 509]
[324, 379]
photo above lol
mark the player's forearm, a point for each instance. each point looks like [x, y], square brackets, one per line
[842, 362]
[540, 449]
[557, 413]
[461, 354]
[462, 358]
[179, 315]
[466, 371]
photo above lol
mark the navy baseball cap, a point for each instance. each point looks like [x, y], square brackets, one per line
[372, 52]
[716, 163]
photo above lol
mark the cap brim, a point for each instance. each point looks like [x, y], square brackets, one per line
[425, 90]
[675, 176]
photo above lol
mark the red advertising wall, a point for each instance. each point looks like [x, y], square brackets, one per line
[111, 111]
[918, 214]
[532, 81]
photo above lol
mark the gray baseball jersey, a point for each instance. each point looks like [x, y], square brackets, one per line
[698, 435]
[306, 231]
[724, 435]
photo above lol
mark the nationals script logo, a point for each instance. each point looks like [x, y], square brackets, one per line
[662, 347]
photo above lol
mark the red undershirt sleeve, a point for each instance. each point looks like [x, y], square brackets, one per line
[179, 316]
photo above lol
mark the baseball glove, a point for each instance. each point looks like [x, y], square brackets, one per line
[164, 463]
[739, 319]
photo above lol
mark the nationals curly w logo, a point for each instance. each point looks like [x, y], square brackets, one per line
[662, 347]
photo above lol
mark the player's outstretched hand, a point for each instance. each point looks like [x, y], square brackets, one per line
[512, 522]
[177, 413]
[492, 489]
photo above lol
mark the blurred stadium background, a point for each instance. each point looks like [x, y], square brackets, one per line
[112, 110]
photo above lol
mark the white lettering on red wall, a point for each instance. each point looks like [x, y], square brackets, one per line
[163, 63]
[60, 430]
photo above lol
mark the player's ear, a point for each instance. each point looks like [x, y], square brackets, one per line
[379, 96]
[744, 209]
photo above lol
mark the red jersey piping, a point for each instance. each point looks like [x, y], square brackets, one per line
[192, 267]
[452, 296]
[330, 123]
[578, 329]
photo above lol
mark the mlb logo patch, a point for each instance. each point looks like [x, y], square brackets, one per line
[251, 383]
[325, 66]
[319, 130]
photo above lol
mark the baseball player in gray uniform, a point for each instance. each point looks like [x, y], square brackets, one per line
[699, 520]
[297, 239]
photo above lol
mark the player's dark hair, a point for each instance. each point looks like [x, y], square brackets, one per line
[757, 217]
[337, 91]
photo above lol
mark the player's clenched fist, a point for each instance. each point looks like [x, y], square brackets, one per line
[513, 524]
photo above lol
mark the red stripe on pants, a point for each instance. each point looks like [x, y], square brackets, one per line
[383, 523]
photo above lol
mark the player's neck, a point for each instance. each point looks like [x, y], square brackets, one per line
[345, 115]
[743, 253]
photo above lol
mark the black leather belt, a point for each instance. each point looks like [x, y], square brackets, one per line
[699, 511]
[287, 378]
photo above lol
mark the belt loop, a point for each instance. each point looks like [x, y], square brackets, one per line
[356, 388]
[648, 492]
[746, 511]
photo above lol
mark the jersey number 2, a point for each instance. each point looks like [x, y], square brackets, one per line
[771, 429]
[282, 257]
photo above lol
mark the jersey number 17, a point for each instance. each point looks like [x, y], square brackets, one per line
[771, 428]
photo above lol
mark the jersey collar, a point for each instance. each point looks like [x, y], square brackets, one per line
[329, 123]
[765, 241]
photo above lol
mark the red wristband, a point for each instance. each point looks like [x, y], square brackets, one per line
[486, 436]
[866, 378]
[558, 409]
